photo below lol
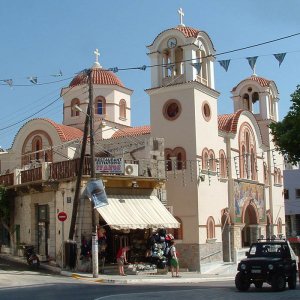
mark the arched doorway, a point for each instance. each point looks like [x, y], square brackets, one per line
[251, 230]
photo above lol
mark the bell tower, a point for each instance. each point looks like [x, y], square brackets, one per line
[258, 95]
[183, 111]
[182, 54]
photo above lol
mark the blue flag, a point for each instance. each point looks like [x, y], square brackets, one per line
[95, 192]
[280, 57]
[225, 64]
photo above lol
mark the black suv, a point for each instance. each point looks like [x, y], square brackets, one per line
[271, 261]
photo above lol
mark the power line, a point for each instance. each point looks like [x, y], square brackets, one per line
[51, 103]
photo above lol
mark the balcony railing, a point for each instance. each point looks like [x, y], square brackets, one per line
[7, 179]
[70, 169]
[31, 175]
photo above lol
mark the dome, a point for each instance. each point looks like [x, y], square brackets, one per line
[99, 76]
[263, 82]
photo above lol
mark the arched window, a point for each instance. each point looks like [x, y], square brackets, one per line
[279, 226]
[202, 59]
[122, 107]
[223, 164]
[74, 111]
[246, 102]
[168, 154]
[180, 155]
[37, 147]
[275, 175]
[211, 161]
[178, 61]
[266, 177]
[279, 176]
[247, 147]
[167, 63]
[255, 101]
[205, 159]
[100, 106]
[253, 165]
[210, 225]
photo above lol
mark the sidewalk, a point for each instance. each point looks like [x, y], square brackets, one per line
[224, 273]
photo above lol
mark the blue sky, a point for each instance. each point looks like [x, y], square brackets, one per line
[40, 38]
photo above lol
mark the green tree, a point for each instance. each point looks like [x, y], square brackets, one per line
[286, 134]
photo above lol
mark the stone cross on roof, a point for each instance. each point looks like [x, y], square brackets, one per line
[96, 63]
[181, 14]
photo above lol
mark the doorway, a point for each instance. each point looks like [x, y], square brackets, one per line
[43, 230]
[251, 230]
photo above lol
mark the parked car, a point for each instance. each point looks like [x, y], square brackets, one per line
[272, 261]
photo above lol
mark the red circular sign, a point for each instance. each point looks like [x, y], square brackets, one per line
[62, 216]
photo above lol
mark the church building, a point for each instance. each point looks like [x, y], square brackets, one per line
[217, 177]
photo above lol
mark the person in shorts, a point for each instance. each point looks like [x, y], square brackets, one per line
[174, 260]
[121, 259]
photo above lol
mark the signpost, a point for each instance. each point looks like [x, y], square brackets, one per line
[62, 217]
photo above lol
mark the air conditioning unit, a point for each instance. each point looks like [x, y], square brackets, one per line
[131, 169]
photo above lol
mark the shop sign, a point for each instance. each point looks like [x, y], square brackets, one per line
[109, 165]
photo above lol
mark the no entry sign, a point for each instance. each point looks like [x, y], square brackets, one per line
[62, 216]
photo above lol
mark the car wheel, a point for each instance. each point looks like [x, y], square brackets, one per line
[292, 281]
[278, 282]
[242, 282]
[258, 284]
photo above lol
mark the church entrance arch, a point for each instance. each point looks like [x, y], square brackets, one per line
[251, 230]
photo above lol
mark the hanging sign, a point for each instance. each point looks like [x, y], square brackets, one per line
[109, 165]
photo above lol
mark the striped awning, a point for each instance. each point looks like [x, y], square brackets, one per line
[136, 212]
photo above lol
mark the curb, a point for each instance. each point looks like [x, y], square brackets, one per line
[150, 280]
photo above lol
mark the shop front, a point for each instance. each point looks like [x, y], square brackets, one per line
[138, 221]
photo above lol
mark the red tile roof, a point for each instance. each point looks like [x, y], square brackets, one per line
[229, 122]
[66, 133]
[99, 76]
[260, 80]
[188, 31]
[132, 131]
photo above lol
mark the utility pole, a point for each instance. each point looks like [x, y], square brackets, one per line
[79, 175]
[93, 177]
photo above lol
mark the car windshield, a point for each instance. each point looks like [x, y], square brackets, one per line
[269, 250]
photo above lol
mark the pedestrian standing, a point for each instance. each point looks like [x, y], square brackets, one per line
[174, 260]
[121, 259]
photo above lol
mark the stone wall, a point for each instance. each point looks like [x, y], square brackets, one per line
[191, 256]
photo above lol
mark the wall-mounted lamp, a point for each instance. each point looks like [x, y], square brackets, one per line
[202, 178]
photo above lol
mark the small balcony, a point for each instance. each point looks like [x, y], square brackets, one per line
[70, 169]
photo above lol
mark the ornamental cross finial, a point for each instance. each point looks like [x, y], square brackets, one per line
[181, 14]
[97, 53]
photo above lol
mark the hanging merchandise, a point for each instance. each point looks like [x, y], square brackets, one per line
[158, 247]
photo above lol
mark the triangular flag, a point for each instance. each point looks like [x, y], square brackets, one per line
[225, 64]
[9, 82]
[280, 57]
[143, 68]
[115, 69]
[252, 62]
[197, 66]
[57, 75]
[33, 79]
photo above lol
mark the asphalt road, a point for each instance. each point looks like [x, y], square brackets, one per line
[19, 282]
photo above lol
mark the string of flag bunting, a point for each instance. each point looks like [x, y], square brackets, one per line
[197, 65]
